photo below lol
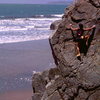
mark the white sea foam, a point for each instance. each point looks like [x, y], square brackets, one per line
[21, 39]
[25, 29]
[58, 15]
[35, 72]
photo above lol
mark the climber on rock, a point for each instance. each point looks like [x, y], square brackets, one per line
[80, 36]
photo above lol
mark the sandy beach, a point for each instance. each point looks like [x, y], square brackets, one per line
[19, 60]
[16, 95]
[25, 57]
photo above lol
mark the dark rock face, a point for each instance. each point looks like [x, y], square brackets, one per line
[95, 3]
[74, 79]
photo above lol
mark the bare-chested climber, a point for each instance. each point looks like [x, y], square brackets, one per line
[79, 36]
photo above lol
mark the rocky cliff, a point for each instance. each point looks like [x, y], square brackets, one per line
[72, 79]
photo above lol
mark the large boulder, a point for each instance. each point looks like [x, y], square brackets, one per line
[55, 25]
[73, 79]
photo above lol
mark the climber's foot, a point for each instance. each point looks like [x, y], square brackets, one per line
[78, 57]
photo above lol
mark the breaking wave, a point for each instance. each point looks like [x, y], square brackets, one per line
[26, 29]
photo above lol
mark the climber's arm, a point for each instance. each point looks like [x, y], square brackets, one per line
[87, 29]
[73, 29]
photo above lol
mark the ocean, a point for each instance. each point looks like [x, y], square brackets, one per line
[25, 22]
[20, 58]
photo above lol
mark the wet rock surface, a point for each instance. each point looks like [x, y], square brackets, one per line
[73, 79]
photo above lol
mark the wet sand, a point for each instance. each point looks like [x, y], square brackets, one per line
[19, 59]
[25, 57]
[16, 95]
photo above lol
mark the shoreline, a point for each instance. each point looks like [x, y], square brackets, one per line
[34, 55]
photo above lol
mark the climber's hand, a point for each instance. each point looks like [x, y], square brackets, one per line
[93, 26]
[82, 37]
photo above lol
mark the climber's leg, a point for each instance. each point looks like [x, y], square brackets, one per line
[86, 39]
[77, 49]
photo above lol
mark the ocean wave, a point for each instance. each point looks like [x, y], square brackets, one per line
[34, 16]
[58, 15]
[14, 39]
[3, 29]
[25, 29]
[48, 16]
